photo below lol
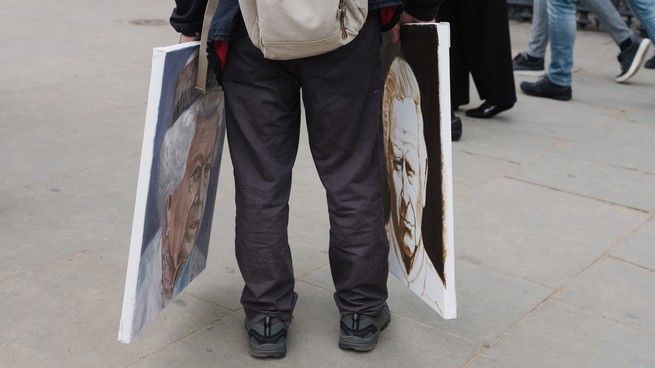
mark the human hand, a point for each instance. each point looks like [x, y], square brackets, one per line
[404, 18]
[184, 38]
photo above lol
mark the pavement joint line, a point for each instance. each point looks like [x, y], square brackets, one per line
[486, 156]
[507, 331]
[631, 263]
[588, 311]
[302, 277]
[580, 195]
[479, 343]
[178, 340]
[314, 285]
[506, 273]
[191, 294]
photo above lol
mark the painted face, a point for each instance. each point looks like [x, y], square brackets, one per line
[187, 204]
[406, 177]
[406, 159]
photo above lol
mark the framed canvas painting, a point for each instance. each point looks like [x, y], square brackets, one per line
[418, 164]
[176, 190]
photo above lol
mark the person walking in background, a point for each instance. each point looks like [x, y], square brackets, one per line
[480, 45]
[561, 31]
[632, 47]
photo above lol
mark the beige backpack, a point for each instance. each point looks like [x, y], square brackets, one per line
[292, 29]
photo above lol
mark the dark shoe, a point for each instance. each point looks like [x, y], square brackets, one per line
[360, 332]
[455, 127]
[528, 66]
[487, 110]
[631, 58]
[650, 63]
[546, 88]
[267, 337]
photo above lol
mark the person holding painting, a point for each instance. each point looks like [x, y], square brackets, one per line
[341, 94]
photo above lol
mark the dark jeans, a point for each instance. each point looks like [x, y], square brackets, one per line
[341, 92]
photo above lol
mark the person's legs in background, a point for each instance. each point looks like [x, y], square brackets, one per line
[561, 31]
[644, 10]
[459, 72]
[488, 55]
[531, 61]
[633, 48]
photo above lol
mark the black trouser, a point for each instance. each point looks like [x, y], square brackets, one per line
[480, 45]
[341, 92]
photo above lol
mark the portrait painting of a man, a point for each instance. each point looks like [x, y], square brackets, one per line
[178, 193]
[418, 203]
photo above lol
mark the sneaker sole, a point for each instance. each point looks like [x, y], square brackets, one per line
[636, 63]
[554, 97]
[530, 73]
[267, 351]
[359, 344]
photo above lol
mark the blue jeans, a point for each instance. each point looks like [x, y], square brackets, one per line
[644, 10]
[561, 31]
[603, 10]
[539, 32]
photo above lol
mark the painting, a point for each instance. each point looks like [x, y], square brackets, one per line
[178, 176]
[418, 164]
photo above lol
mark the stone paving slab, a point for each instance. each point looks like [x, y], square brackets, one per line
[591, 179]
[471, 171]
[69, 218]
[638, 249]
[616, 290]
[561, 335]
[618, 142]
[556, 238]
[68, 316]
[501, 142]
[551, 118]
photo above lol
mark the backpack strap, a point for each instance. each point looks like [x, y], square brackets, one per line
[201, 81]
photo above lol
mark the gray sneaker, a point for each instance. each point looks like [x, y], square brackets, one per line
[360, 332]
[267, 337]
[631, 58]
[523, 65]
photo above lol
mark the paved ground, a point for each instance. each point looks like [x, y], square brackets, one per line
[554, 218]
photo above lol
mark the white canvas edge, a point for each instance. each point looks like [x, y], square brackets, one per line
[136, 241]
[450, 299]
